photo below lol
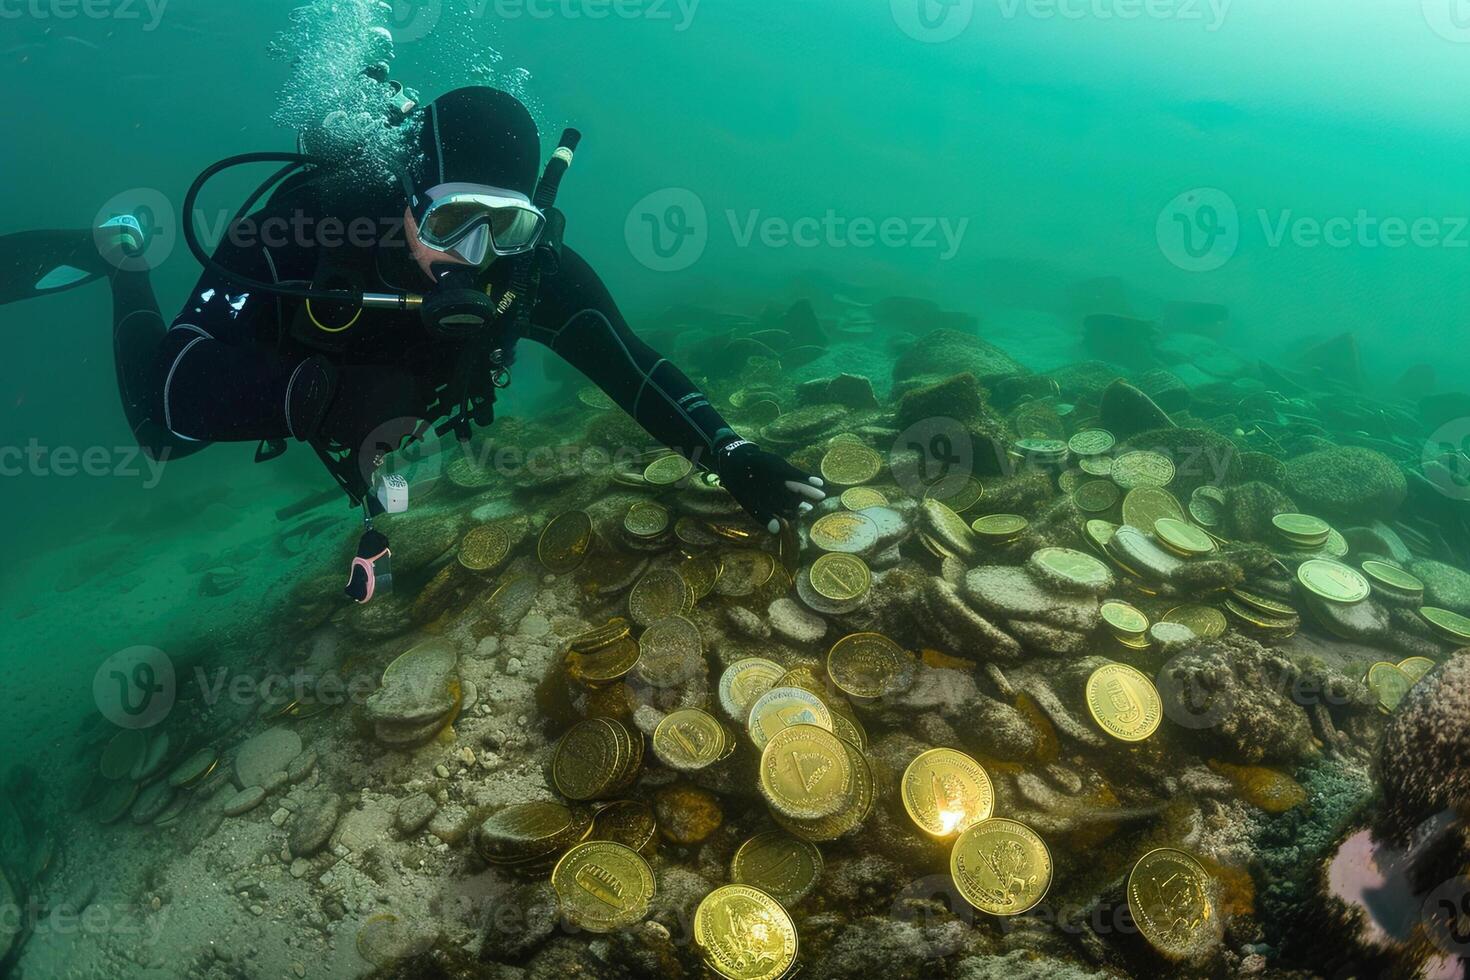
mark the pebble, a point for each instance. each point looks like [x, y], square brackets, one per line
[442, 771]
[280, 817]
[466, 755]
[796, 623]
[269, 752]
[244, 801]
[314, 827]
[413, 813]
[513, 666]
[301, 767]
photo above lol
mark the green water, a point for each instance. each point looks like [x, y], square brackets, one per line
[989, 156]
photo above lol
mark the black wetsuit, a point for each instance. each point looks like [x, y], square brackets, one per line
[230, 366]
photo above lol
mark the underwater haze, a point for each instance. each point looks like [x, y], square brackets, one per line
[1244, 224]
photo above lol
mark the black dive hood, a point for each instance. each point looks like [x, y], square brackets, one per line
[472, 135]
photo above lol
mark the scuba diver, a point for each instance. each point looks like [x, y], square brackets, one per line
[361, 347]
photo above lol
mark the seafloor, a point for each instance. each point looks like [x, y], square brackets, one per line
[324, 846]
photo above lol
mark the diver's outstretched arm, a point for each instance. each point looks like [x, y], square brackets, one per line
[577, 318]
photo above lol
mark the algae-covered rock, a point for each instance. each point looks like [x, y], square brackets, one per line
[1444, 585]
[1084, 381]
[1235, 697]
[947, 352]
[1249, 508]
[1424, 759]
[958, 397]
[1200, 456]
[1165, 389]
[851, 390]
[1347, 481]
[1126, 411]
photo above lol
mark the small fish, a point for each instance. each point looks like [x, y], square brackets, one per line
[82, 41]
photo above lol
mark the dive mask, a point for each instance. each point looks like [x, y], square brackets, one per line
[475, 221]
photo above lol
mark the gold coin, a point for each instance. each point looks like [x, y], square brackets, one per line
[1169, 897]
[1096, 465]
[484, 548]
[605, 664]
[527, 830]
[647, 519]
[1416, 667]
[1262, 604]
[600, 636]
[1096, 496]
[858, 498]
[1254, 617]
[1206, 622]
[631, 823]
[1333, 581]
[1124, 702]
[1001, 867]
[781, 708]
[689, 739]
[846, 727]
[701, 572]
[1450, 624]
[564, 543]
[848, 464]
[1099, 533]
[946, 792]
[805, 677]
[744, 572]
[585, 758]
[671, 651]
[123, 753]
[1183, 538]
[1142, 468]
[602, 886]
[1124, 618]
[1302, 528]
[999, 527]
[1142, 506]
[743, 682]
[804, 772]
[744, 934]
[840, 577]
[1389, 684]
[1207, 506]
[1075, 568]
[1091, 442]
[1393, 577]
[667, 470]
[659, 594]
[780, 864]
[959, 495]
[870, 665]
[844, 531]
[852, 814]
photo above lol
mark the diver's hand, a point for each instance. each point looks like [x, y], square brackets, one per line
[768, 487]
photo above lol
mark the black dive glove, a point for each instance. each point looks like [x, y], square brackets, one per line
[768, 487]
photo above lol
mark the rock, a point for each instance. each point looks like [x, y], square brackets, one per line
[1270, 789]
[518, 923]
[948, 352]
[1165, 390]
[315, 825]
[1423, 761]
[687, 814]
[451, 824]
[420, 687]
[955, 626]
[795, 623]
[851, 390]
[956, 396]
[301, 767]
[1444, 585]
[998, 730]
[1249, 508]
[801, 323]
[1010, 593]
[1084, 381]
[1235, 697]
[414, 813]
[244, 801]
[748, 623]
[272, 751]
[1172, 638]
[1126, 411]
[1045, 638]
[1121, 339]
[1346, 482]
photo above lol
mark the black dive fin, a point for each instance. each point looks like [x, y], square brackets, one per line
[37, 263]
